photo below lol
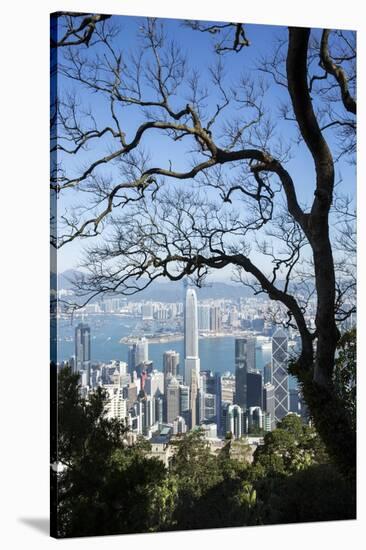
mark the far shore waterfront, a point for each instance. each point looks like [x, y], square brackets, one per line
[176, 337]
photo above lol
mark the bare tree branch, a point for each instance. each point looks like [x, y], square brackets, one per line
[231, 199]
[78, 28]
[336, 70]
[234, 39]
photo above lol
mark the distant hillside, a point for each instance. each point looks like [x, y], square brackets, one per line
[171, 291]
[174, 292]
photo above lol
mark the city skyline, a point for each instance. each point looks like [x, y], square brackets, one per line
[187, 156]
[182, 395]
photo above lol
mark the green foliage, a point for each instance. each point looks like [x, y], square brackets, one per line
[317, 493]
[295, 481]
[163, 503]
[109, 487]
[345, 373]
[105, 487]
[257, 432]
[237, 449]
[83, 429]
[333, 408]
[196, 471]
[293, 446]
[212, 490]
[193, 461]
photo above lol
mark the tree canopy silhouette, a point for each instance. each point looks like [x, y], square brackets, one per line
[153, 217]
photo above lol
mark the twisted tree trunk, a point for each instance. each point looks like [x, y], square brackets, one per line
[316, 373]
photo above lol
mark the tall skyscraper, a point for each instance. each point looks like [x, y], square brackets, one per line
[137, 354]
[204, 317]
[130, 393]
[251, 353]
[184, 402]
[154, 384]
[233, 420]
[279, 373]
[82, 350]
[207, 407]
[255, 419]
[194, 389]
[218, 394]
[269, 403]
[170, 362]
[234, 317]
[254, 389]
[159, 410]
[149, 412]
[215, 319]
[179, 425]
[192, 361]
[241, 370]
[172, 400]
[227, 385]
[267, 374]
[207, 381]
[116, 406]
[136, 417]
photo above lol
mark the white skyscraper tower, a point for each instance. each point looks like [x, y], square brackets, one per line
[191, 361]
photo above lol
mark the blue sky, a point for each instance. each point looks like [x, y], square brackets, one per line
[198, 48]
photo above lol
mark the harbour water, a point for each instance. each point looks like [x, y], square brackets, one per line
[216, 354]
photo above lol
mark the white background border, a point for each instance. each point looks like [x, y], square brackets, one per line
[24, 36]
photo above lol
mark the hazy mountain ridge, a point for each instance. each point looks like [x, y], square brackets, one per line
[168, 291]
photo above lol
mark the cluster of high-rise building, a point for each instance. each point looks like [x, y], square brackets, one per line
[261, 397]
[215, 316]
[210, 318]
[182, 395]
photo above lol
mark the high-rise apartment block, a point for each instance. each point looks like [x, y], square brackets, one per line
[116, 406]
[204, 318]
[215, 319]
